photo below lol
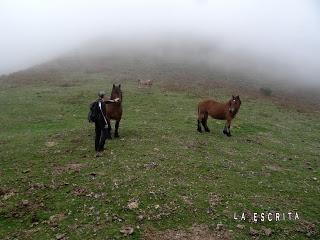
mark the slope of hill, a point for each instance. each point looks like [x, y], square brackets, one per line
[178, 64]
[161, 179]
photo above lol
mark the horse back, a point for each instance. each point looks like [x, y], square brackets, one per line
[214, 109]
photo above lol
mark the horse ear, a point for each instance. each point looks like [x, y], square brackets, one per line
[237, 97]
[119, 85]
[233, 97]
[113, 86]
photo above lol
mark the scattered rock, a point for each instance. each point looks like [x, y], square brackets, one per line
[253, 232]
[55, 219]
[25, 203]
[8, 195]
[240, 226]
[214, 200]
[308, 228]
[69, 168]
[133, 205]
[196, 232]
[26, 170]
[51, 144]
[187, 200]
[116, 218]
[127, 230]
[150, 165]
[61, 236]
[220, 226]
[34, 186]
[80, 191]
[266, 231]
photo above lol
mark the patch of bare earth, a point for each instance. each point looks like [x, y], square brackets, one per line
[196, 232]
[69, 168]
[26, 207]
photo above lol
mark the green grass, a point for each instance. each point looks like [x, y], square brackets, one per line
[269, 164]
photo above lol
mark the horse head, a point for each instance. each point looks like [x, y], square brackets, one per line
[116, 92]
[234, 104]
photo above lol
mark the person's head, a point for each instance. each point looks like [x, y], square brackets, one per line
[101, 94]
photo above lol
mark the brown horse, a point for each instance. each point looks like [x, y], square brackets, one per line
[222, 111]
[114, 111]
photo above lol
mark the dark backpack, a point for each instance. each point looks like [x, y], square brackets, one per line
[93, 111]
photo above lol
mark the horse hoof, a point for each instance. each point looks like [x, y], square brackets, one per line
[199, 130]
[207, 130]
[116, 135]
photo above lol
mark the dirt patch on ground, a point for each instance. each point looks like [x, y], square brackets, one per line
[6, 193]
[80, 191]
[25, 207]
[196, 232]
[308, 228]
[69, 168]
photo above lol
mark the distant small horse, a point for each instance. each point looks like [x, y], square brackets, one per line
[222, 111]
[144, 83]
[114, 111]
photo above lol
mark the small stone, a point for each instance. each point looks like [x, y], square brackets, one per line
[253, 232]
[127, 230]
[267, 231]
[140, 217]
[133, 205]
[240, 226]
[25, 202]
[219, 226]
[61, 236]
[50, 144]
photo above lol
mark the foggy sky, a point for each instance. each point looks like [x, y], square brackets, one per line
[283, 31]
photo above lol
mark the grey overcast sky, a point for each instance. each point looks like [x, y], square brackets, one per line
[33, 31]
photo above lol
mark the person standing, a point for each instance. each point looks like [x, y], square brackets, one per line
[97, 115]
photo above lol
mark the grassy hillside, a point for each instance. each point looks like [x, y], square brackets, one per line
[161, 175]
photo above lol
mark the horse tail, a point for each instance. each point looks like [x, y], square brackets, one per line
[199, 112]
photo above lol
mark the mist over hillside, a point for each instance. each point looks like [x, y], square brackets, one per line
[242, 47]
[279, 40]
[180, 62]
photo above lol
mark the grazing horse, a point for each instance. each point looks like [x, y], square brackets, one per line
[114, 111]
[222, 111]
[146, 83]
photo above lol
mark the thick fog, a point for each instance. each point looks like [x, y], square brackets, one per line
[269, 35]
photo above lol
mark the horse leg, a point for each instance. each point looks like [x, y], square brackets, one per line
[116, 133]
[204, 122]
[226, 129]
[109, 129]
[199, 127]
